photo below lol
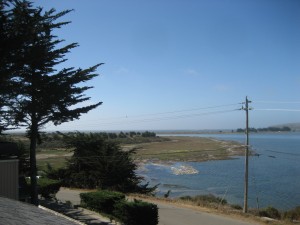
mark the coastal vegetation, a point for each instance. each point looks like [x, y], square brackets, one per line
[54, 150]
[267, 129]
[48, 188]
[212, 203]
[55, 153]
[99, 163]
[103, 160]
[34, 93]
[196, 149]
[204, 200]
[101, 201]
[114, 205]
[292, 215]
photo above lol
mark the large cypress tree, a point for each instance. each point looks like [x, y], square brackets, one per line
[43, 94]
[9, 42]
[3, 78]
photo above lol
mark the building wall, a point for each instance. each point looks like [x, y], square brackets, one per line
[9, 178]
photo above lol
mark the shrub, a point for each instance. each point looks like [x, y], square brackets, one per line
[101, 163]
[270, 212]
[167, 194]
[186, 198]
[48, 187]
[293, 214]
[211, 199]
[204, 199]
[236, 206]
[136, 213]
[101, 201]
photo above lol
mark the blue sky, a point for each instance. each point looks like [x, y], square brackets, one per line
[177, 64]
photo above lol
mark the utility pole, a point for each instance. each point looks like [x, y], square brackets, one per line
[245, 208]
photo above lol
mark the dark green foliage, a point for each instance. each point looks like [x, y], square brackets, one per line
[205, 199]
[186, 198]
[24, 189]
[101, 201]
[56, 174]
[24, 164]
[235, 206]
[99, 163]
[112, 135]
[270, 212]
[148, 134]
[132, 133]
[167, 194]
[47, 187]
[136, 213]
[131, 137]
[114, 205]
[267, 129]
[122, 135]
[23, 154]
[51, 141]
[37, 93]
[40, 93]
[9, 42]
[293, 214]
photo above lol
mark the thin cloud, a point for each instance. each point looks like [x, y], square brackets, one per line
[221, 87]
[192, 72]
[122, 70]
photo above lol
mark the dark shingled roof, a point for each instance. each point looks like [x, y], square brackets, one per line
[18, 213]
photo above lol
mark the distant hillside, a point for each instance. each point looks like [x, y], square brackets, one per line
[293, 126]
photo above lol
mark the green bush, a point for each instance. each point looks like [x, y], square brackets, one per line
[293, 214]
[270, 212]
[204, 199]
[136, 213]
[186, 198]
[101, 201]
[211, 199]
[236, 206]
[101, 163]
[48, 187]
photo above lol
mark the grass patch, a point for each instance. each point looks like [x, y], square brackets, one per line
[171, 148]
[204, 200]
[54, 152]
[56, 158]
[187, 149]
[55, 163]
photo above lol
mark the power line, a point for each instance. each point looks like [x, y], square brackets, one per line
[278, 102]
[285, 110]
[128, 121]
[286, 153]
[189, 110]
[170, 112]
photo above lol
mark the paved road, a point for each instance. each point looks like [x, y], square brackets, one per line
[173, 215]
[170, 214]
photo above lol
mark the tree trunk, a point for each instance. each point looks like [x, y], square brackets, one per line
[33, 169]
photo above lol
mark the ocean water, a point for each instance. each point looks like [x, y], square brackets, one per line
[274, 175]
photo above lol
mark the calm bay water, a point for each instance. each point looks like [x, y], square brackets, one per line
[274, 175]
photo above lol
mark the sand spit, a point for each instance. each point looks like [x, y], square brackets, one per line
[183, 170]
